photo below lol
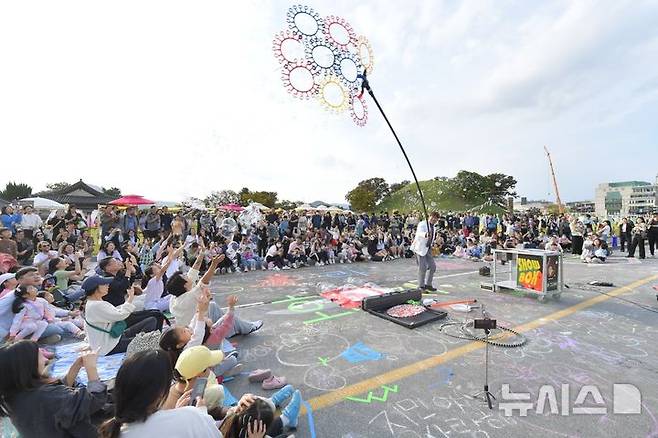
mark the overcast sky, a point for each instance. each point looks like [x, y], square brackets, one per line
[170, 99]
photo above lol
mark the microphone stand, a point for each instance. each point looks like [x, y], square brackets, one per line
[488, 396]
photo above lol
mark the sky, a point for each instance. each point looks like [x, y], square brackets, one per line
[175, 99]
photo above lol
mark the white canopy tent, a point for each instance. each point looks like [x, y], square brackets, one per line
[41, 203]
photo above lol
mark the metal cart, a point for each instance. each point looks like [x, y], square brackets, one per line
[533, 271]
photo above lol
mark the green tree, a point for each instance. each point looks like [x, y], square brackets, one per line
[470, 186]
[15, 191]
[474, 188]
[499, 187]
[362, 199]
[268, 199]
[243, 196]
[287, 205]
[113, 192]
[56, 187]
[369, 192]
[397, 186]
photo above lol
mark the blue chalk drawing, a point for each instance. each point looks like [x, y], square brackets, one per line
[363, 274]
[334, 274]
[229, 399]
[309, 416]
[360, 352]
[446, 374]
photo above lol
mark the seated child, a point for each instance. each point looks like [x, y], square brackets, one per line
[32, 316]
[202, 331]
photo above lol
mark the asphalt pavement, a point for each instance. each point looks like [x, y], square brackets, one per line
[586, 359]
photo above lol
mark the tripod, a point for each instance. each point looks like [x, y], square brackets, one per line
[487, 325]
[488, 396]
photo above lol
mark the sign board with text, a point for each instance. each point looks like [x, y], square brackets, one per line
[530, 272]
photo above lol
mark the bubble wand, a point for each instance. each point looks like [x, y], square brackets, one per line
[329, 56]
[365, 85]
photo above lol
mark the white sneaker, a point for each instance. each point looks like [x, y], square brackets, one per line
[276, 268]
[286, 268]
[321, 264]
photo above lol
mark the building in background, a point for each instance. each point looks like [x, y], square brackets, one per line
[644, 200]
[85, 197]
[524, 204]
[581, 206]
[625, 198]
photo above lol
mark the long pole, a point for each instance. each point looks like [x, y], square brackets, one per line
[366, 85]
[557, 192]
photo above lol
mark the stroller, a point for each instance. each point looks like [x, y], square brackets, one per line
[50, 284]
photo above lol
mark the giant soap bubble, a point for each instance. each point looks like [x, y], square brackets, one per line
[250, 216]
[228, 228]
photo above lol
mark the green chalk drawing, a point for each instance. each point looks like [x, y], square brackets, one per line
[371, 397]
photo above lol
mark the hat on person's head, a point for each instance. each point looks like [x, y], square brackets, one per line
[195, 360]
[91, 283]
[5, 277]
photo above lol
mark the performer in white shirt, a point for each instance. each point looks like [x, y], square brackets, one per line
[422, 247]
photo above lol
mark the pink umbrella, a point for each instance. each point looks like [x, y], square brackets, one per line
[231, 207]
[132, 200]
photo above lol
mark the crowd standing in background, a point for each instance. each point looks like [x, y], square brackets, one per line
[141, 279]
[291, 239]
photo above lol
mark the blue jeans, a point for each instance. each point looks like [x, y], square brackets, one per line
[52, 329]
[240, 326]
[74, 293]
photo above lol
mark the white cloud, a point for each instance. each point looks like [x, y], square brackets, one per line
[171, 99]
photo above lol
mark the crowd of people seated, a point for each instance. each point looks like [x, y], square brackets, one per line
[148, 273]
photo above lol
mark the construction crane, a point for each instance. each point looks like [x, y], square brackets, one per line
[557, 192]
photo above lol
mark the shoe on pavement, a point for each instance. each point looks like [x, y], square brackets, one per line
[430, 288]
[260, 375]
[274, 382]
[282, 395]
[291, 412]
[257, 326]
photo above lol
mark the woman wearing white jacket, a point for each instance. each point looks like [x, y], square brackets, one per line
[100, 316]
